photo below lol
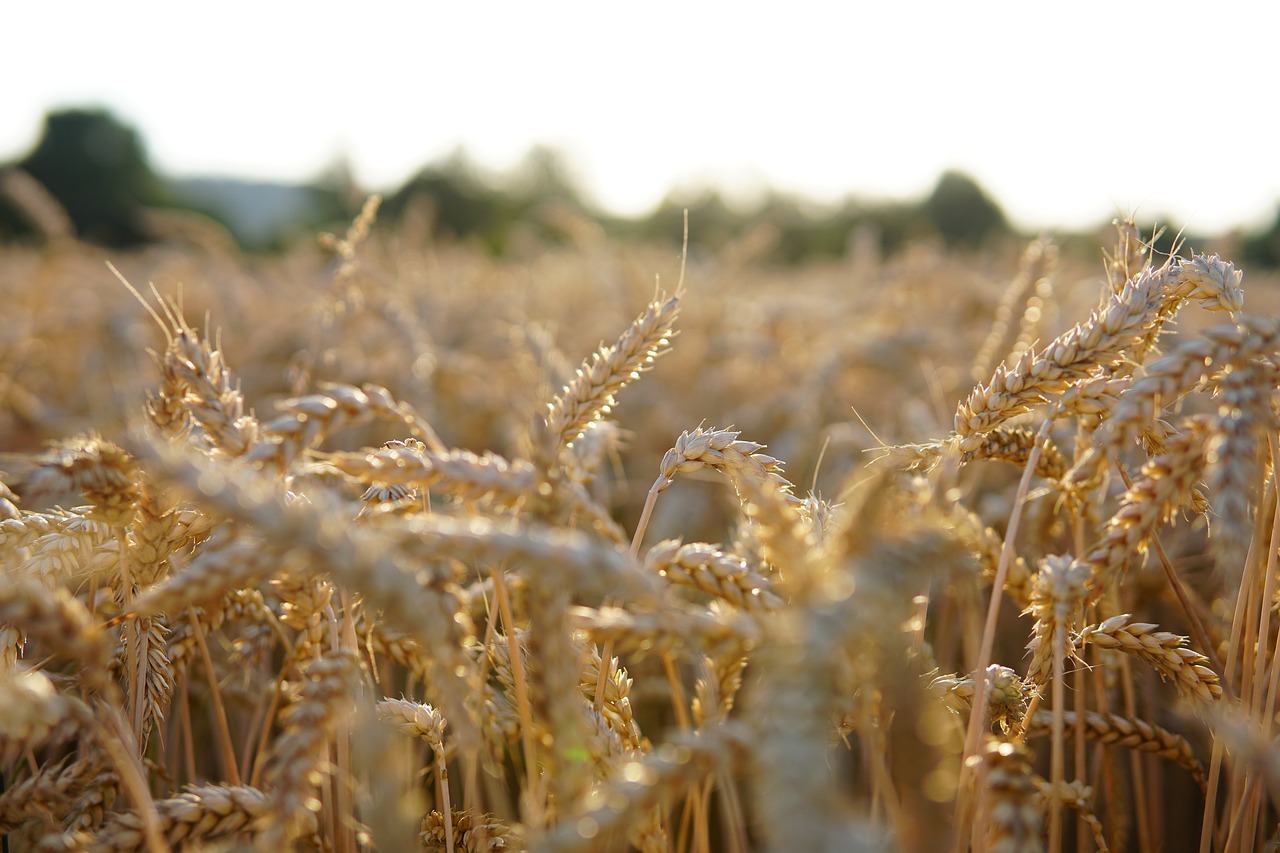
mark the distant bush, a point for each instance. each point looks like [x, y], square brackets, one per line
[96, 167]
[961, 212]
[1262, 249]
[466, 203]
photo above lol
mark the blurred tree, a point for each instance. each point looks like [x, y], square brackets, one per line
[957, 210]
[544, 175]
[461, 204]
[97, 169]
[807, 232]
[465, 203]
[961, 212]
[334, 197]
[899, 223]
[1262, 249]
[713, 221]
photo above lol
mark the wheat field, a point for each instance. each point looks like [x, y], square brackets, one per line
[387, 544]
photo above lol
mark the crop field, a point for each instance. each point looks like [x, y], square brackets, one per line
[385, 543]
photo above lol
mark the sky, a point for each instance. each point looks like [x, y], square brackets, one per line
[1068, 114]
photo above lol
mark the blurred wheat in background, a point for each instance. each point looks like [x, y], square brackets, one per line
[378, 547]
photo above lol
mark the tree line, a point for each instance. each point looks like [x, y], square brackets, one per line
[89, 176]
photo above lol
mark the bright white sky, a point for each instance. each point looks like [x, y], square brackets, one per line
[1068, 113]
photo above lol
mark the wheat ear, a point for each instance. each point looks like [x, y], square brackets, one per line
[1013, 814]
[1166, 652]
[295, 766]
[719, 574]
[590, 394]
[1135, 734]
[203, 813]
